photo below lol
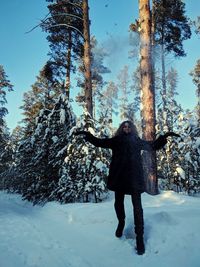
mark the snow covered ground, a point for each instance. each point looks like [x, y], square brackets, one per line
[82, 235]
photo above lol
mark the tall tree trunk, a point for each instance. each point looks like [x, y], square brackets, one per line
[68, 72]
[148, 95]
[153, 45]
[87, 58]
[164, 87]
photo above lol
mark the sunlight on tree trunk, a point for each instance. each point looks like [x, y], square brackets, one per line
[164, 88]
[87, 58]
[147, 95]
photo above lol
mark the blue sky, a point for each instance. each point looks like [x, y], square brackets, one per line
[23, 55]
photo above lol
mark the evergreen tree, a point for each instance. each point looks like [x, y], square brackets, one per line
[81, 25]
[169, 157]
[108, 103]
[64, 26]
[39, 157]
[6, 157]
[85, 168]
[16, 136]
[98, 69]
[5, 86]
[26, 171]
[171, 29]
[60, 122]
[136, 103]
[5, 145]
[171, 108]
[171, 26]
[166, 119]
[124, 93]
[180, 171]
[196, 80]
[188, 169]
[41, 96]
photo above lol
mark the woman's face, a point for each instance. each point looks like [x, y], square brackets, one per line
[126, 128]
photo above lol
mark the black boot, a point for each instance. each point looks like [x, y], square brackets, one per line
[120, 228]
[140, 245]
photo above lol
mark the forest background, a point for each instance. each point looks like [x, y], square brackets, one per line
[33, 164]
[19, 16]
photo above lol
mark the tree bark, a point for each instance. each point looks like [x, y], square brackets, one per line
[87, 58]
[68, 71]
[147, 95]
[164, 88]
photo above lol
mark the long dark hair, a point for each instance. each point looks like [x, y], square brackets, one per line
[132, 126]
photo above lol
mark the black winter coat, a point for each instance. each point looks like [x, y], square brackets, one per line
[126, 169]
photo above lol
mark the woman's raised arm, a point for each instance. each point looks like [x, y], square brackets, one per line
[98, 142]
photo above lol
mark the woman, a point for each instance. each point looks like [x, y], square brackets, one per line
[126, 173]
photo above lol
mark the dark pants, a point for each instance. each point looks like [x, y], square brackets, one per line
[137, 210]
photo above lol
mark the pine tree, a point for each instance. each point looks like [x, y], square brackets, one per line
[108, 103]
[64, 25]
[168, 158]
[172, 78]
[5, 86]
[148, 94]
[39, 157]
[166, 119]
[30, 163]
[171, 29]
[73, 16]
[85, 168]
[6, 156]
[124, 93]
[5, 145]
[87, 58]
[178, 164]
[136, 90]
[41, 96]
[60, 122]
[171, 26]
[188, 169]
[196, 80]
[98, 69]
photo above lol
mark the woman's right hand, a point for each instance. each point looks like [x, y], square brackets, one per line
[86, 135]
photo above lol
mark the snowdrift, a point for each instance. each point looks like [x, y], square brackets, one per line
[82, 235]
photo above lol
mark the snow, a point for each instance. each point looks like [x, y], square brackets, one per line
[187, 157]
[181, 172]
[62, 116]
[82, 235]
[198, 142]
[100, 165]
[61, 151]
[55, 138]
[91, 130]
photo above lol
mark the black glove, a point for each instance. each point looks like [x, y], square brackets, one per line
[171, 134]
[161, 141]
[80, 133]
[86, 135]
